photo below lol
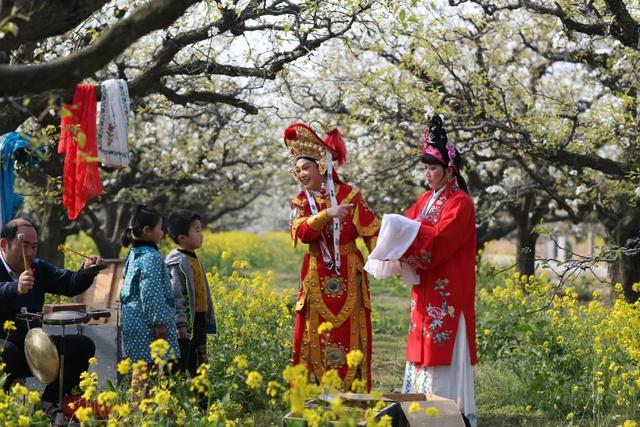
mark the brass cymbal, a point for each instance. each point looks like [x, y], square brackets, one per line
[41, 355]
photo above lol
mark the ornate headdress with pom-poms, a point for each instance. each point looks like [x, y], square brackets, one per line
[303, 142]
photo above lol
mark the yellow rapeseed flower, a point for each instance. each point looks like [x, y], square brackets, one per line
[159, 348]
[331, 380]
[139, 367]
[241, 361]
[385, 421]
[414, 407]
[9, 325]
[93, 361]
[272, 388]
[240, 265]
[107, 397]
[325, 327]
[312, 417]
[162, 397]
[337, 407]
[224, 255]
[124, 366]
[254, 379]
[432, 411]
[19, 390]
[200, 382]
[122, 410]
[358, 385]
[146, 405]
[34, 397]
[84, 414]
[354, 357]
[630, 423]
[89, 392]
[23, 421]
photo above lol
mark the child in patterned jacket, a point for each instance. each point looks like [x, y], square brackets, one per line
[194, 315]
[147, 301]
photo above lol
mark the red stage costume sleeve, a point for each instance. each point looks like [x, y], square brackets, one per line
[412, 212]
[366, 222]
[436, 244]
[78, 142]
[306, 227]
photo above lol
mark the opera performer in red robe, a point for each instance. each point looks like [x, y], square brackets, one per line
[433, 246]
[329, 215]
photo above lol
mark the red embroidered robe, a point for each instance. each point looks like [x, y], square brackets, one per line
[444, 253]
[324, 297]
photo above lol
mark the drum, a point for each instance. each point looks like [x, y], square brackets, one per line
[41, 355]
[66, 317]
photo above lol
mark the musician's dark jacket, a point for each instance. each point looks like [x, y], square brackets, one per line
[49, 279]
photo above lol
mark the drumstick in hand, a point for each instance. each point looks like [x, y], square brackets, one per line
[24, 255]
[63, 247]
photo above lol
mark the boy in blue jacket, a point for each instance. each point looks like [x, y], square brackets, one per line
[194, 307]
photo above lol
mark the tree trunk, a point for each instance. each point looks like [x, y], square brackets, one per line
[627, 234]
[526, 217]
[53, 232]
[107, 227]
[526, 249]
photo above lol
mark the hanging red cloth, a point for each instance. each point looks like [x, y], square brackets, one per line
[78, 142]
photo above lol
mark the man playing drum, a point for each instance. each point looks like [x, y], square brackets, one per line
[26, 287]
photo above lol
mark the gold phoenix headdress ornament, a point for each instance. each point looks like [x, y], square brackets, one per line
[302, 141]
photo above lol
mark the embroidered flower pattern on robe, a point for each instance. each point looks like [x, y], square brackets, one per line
[418, 261]
[433, 216]
[438, 314]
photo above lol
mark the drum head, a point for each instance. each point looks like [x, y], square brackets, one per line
[41, 355]
[65, 317]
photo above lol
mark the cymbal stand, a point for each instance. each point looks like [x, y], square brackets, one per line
[59, 420]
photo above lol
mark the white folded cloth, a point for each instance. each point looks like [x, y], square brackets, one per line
[397, 232]
[113, 124]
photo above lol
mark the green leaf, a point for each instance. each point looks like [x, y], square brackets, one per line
[65, 112]
[82, 139]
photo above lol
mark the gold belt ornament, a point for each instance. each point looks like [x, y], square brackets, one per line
[346, 249]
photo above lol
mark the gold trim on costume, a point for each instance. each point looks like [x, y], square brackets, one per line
[318, 221]
[367, 230]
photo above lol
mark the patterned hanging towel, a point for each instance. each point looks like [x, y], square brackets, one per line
[81, 179]
[113, 125]
[10, 145]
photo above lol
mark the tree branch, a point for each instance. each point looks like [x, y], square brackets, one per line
[45, 18]
[205, 97]
[67, 71]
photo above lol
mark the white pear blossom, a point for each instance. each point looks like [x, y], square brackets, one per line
[497, 189]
